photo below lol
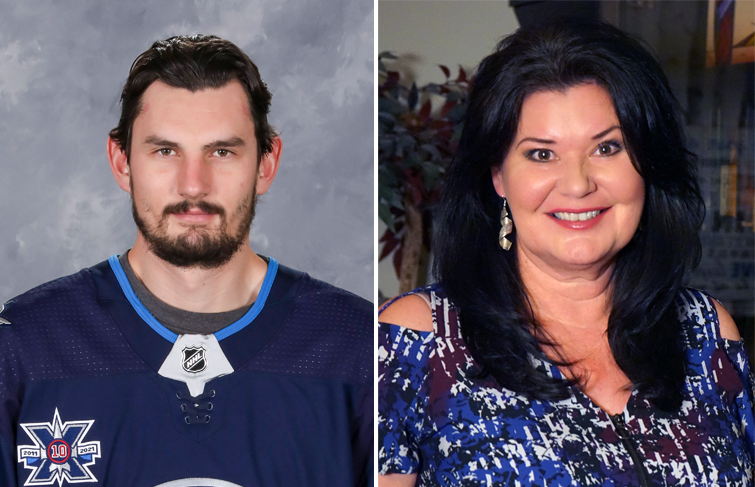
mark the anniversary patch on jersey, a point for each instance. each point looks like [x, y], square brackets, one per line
[194, 359]
[58, 453]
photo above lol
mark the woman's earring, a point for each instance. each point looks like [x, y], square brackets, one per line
[507, 227]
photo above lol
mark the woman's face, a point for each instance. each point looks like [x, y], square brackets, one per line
[575, 197]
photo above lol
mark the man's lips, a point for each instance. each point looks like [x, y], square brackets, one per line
[194, 217]
[195, 211]
[200, 212]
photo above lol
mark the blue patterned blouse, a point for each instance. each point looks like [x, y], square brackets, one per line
[437, 420]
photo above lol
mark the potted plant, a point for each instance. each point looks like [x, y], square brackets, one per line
[419, 129]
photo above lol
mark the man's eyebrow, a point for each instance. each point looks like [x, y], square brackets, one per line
[157, 140]
[222, 144]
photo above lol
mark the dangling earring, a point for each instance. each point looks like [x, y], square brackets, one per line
[507, 227]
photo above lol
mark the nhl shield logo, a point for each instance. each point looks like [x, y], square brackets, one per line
[194, 359]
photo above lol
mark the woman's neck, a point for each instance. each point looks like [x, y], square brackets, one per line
[578, 299]
[572, 309]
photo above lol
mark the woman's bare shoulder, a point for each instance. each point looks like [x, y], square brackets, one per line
[397, 479]
[726, 323]
[411, 311]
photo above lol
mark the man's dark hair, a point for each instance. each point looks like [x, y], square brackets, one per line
[194, 63]
[484, 281]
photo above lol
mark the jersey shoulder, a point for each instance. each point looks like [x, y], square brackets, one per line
[29, 312]
[328, 333]
[321, 294]
[59, 329]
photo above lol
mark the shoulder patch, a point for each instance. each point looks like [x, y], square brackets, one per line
[59, 453]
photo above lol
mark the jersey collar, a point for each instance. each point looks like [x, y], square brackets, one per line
[241, 323]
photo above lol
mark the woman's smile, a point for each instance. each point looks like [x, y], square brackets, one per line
[578, 220]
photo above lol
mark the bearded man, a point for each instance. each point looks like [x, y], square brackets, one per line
[188, 360]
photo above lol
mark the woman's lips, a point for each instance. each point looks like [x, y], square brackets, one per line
[578, 219]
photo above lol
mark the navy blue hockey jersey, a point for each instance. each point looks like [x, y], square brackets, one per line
[94, 390]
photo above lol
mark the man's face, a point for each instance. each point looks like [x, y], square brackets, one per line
[193, 173]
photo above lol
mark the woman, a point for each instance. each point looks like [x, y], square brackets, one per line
[560, 346]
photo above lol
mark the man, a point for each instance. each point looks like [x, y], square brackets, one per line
[188, 360]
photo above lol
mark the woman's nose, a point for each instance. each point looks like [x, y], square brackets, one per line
[576, 178]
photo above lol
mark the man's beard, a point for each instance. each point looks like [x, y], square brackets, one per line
[198, 247]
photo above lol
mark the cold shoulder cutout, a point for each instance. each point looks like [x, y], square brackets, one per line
[729, 330]
[408, 311]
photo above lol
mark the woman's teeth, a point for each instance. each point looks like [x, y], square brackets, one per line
[573, 217]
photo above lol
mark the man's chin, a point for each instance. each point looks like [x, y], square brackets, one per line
[195, 249]
[203, 257]
[196, 236]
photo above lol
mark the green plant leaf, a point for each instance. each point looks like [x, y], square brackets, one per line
[391, 106]
[405, 143]
[456, 113]
[454, 96]
[457, 133]
[386, 216]
[386, 145]
[430, 175]
[433, 151]
[390, 196]
[413, 160]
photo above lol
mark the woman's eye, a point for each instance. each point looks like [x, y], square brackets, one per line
[608, 148]
[540, 155]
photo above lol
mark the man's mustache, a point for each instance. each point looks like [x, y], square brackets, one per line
[186, 205]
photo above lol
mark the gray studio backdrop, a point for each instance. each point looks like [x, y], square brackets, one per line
[62, 66]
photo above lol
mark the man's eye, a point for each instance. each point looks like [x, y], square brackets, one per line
[165, 152]
[222, 152]
[608, 148]
[540, 155]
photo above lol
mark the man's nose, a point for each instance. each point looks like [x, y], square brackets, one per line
[194, 177]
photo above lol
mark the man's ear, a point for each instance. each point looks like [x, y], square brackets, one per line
[268, 166]
[119, 165]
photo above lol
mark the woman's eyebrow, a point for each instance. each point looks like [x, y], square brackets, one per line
[605, 132]
[533, 139]
[548, 141]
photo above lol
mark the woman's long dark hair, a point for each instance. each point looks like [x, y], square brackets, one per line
[484, 282]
